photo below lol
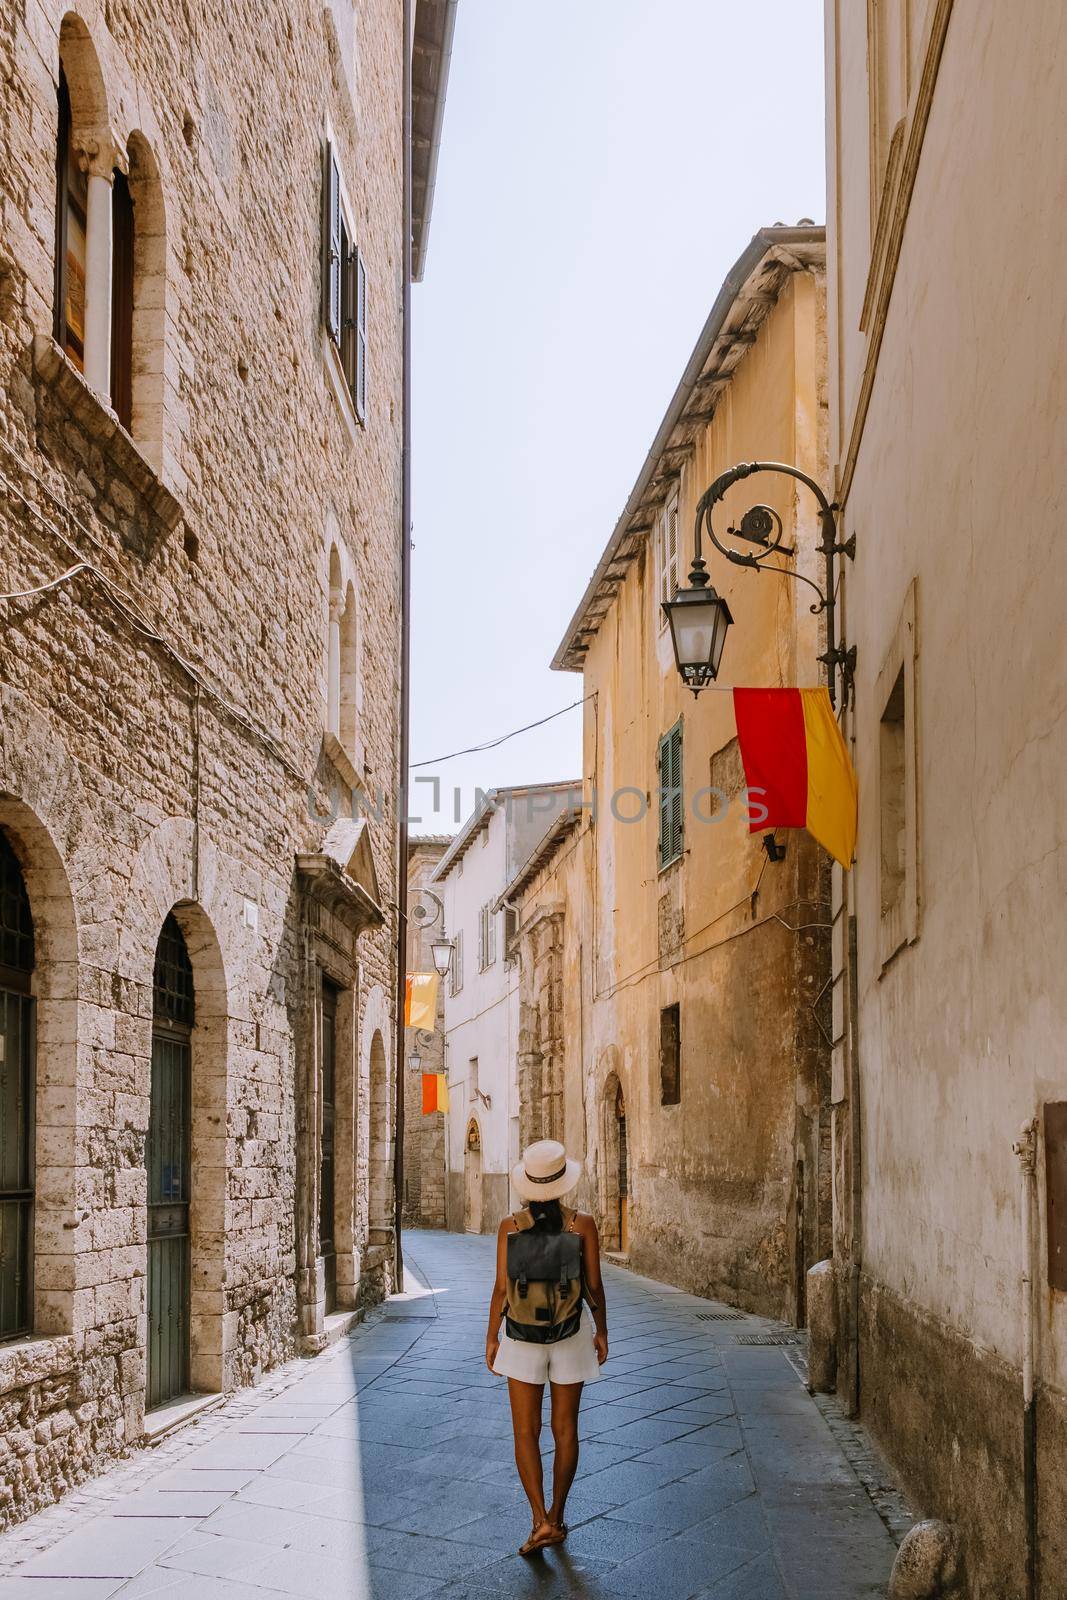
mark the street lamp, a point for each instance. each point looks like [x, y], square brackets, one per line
[441, 951]
[423, 1040]
[699, 617]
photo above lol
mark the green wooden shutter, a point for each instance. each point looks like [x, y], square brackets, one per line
[663, 775]
[677, 805]
[671, 803]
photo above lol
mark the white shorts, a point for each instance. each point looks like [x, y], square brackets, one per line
[570, 1360]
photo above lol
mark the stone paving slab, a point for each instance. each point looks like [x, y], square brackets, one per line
[382, 1470]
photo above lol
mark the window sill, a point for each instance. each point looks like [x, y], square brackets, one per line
[57, 374]
[34, 1358]
[335, 372]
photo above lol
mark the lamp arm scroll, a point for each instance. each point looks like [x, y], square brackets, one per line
[759, 518]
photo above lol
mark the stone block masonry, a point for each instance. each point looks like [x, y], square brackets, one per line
[165, 748]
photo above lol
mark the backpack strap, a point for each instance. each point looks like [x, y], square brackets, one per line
[523, 1221]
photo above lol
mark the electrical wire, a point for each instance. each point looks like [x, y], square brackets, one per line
[54, 583]
[491, 744]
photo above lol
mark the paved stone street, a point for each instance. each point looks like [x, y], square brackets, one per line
[383, 1469]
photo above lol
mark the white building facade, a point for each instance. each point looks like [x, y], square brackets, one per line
[482, 998]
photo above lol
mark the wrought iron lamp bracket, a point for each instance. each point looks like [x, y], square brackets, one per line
[761, 525]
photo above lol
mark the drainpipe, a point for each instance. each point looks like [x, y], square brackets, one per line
[405, 663]
[1025, 1147]
[856, 1159]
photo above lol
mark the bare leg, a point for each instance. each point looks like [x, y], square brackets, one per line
[566, 1398]
[526, 1425]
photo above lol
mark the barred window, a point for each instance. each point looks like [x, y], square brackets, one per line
[17, 1040]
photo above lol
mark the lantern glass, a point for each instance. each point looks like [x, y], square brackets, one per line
[415, 1061]
[441, 951]
[699, 619]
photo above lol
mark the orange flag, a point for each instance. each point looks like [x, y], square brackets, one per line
[420, 1000]
[434, 1093]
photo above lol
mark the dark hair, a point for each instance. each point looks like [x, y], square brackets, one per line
[548, 1218]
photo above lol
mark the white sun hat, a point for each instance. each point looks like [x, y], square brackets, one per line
[545, 1173]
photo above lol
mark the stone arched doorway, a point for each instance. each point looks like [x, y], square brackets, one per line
[168, 1159]
[18, 1030]
[472, 1179]
[187, 1106]
[614, 1174]
[38, 1047]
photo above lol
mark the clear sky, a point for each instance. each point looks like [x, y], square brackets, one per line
[604, 162]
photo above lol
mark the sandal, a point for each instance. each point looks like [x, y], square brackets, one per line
[539, 1540]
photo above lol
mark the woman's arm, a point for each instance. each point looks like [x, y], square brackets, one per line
[594, 1285]
[498, 1298]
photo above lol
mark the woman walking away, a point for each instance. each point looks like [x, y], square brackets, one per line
[547, 1264]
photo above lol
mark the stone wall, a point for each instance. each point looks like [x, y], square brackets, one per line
[162, 741]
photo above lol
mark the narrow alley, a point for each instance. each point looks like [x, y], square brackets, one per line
[383, 1469]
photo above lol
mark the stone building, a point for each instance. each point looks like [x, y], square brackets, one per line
[201, 259]
[948, 399]
[482, 998]
[673, 975]
[424, 1049]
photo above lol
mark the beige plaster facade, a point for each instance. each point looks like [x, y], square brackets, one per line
[209, 670]
[947, 144]
[707, 1164]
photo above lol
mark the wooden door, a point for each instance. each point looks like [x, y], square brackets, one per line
[624, 1191]
[473, 1176]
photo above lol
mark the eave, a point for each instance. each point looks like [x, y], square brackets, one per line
[431, 51]
[749, 292]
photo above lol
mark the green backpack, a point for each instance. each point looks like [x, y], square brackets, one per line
[545, 1285]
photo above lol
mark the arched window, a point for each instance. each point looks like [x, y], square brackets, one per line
[109, 303]
[350, 685]
[17, 1039]
[169, 1161]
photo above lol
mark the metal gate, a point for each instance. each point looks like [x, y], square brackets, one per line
[328, 1094]
[17, 1033]
[168, 1159]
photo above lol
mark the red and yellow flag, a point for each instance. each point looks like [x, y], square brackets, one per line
[434, 1093]
[796, 762]
[420, 1000]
